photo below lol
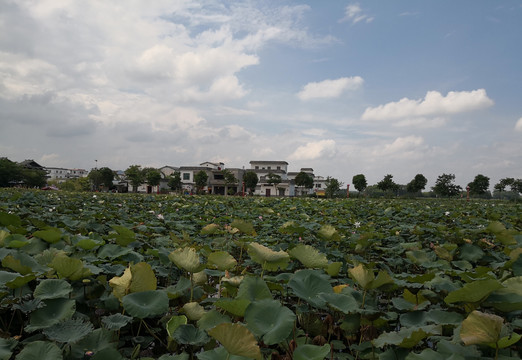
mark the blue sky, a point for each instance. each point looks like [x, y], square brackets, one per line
[371, 87]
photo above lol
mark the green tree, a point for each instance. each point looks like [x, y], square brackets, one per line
[332, 186]
[250, 178]
[34, 178]
[107, 176]
[503, 183]
[387, 184]
[135, 176]
[359, 182]
[304, 180]
[417, 184]
[175, 181]
[445, 186]
[10, 172]
[229, 179]
[274, 180]
[516, 186]
[95, 177]
[152, 176]
[479, 185]
[201, 179]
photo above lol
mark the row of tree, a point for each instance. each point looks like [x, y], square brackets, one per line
[14, 174]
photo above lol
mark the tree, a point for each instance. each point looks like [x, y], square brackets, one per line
[175, 181]
[479, 185]
[95, 176]
[107, 176]
[229, 179]
[274, 179]
[359, 182]
[417, 184]
[444, 186]
[152, 176]
[34, 177]
[304, 180]
[332, 186]
[387, 184]
[200, 178]
[135, 176]
[501, 185]
[250, 178]
[516, 186]
[10, 172]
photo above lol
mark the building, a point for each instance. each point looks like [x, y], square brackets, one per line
[264, 187]
[63, 174]
[216, 182]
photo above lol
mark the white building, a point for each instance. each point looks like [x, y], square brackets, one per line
[63, 174]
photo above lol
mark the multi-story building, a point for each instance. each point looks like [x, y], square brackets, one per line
[63, 174]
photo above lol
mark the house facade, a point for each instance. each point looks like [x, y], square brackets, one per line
[63, 174]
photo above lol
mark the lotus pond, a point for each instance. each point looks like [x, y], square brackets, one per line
[125, 276]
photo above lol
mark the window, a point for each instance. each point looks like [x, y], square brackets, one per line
[269, 168]
[219, 177]
[318, 186]
[279, 168]
[186, 176]
[257, 167]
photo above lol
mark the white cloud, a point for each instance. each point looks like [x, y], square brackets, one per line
[355, 14]
[314, 150]
[433, 104]
[329, 88]
[518, 125]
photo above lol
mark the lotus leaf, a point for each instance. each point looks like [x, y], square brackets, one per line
[236, 307]
[51, 235]
[309, 257]
[406, 337]
[40, 350]
[219, 353]
[193, 310]
[269, 320]
[308, 284]
[473, 292]
[99, 342]
[221, 260]
[68, 331]
[328, 233]
[189, 334]
[55, 311]
[209, 229]
[311, 352]
[187, 259]
[253, 288]
[269, 259]
[211, 319]
[52, 289]
[10, 219]
[146, 303]
[69, 268]
[116, 321]
[481, 328]
[123, 235]
[6, 348]
[15, 241]
[237, 340]
[340, 302]
[244, 227]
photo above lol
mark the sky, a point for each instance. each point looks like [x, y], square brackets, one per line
[370, 87]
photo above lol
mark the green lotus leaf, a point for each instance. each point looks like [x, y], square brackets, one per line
[190, 335]
[269, 320]
[340, 302]
[470, 253]
[55, 311]
[308, 284]
[121, 284]
[481, 328]
[211, 319]
[113, 251]
[182, 356]
[116, 321]
[244, 227]
[309, 256]
[40, 350]
[221, 260]
[20, 281]
[507, 341]
[428, 354]
[123, 235]
[6, 348]
[475, 291]
[15, 264]
[193, 310]
[10, 219]
[421, 318]
[174, 322]
[69, 268]
[219, 353]
[15, 241]
[333, 268]
[181, 287]
[328, 233]
[269, 259]
[406, 337]
[100, 342]
[187, 259]
[68, 331]
[290, 227]
[236, 307]
[146, 303]
[52, 289]
[89, 243]
[209, 229]
[253, 288]
[237, 340]
[311, 352]
[50, 235]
